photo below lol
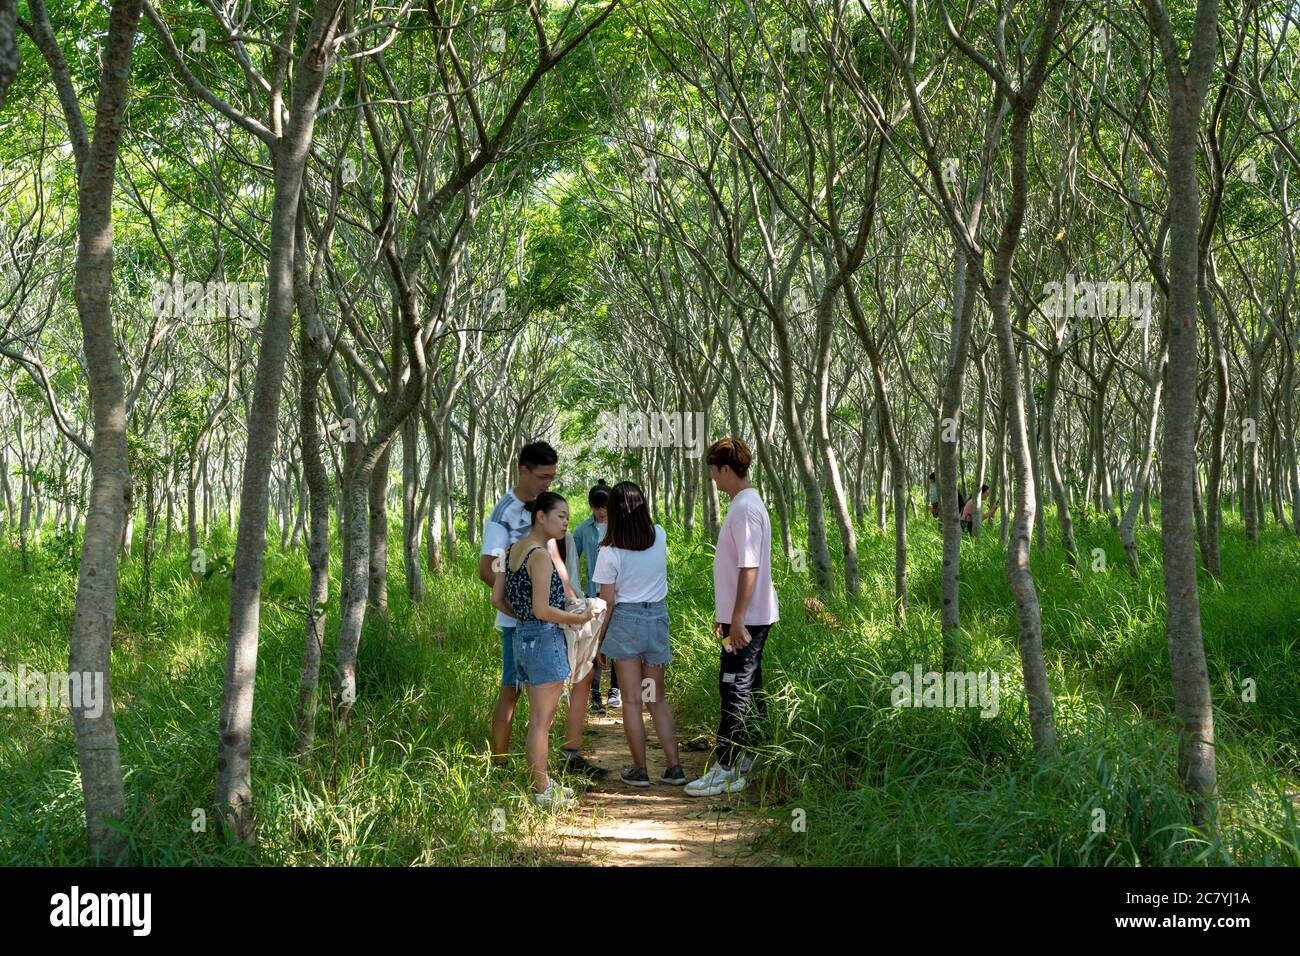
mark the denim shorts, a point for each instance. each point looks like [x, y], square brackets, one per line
[639, 630]
[541, 653]
[507, 657]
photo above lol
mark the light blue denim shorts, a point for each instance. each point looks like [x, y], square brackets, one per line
[639, 630]
[508, 657]
[541, 653]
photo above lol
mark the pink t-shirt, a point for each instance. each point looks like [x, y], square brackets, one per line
[744, 541]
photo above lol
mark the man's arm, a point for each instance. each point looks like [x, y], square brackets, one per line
[499, 600]
[745, 580]
[485, 572]
[496, 541]
[749, 540]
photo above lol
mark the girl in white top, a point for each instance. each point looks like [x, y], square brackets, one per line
[632, 572]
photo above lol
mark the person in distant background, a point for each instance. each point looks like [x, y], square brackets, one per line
[932, 496]
[587, 538]
[972, 503]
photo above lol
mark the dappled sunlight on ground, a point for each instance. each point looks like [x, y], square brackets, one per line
[618, 825]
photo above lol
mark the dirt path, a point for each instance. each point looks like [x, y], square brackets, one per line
[618, 825]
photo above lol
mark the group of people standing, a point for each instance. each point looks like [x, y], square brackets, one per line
[532, 564]
[966, 507]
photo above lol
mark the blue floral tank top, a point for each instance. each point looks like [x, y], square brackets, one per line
[519, 589]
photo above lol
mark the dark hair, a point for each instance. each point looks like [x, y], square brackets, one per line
[598, 495]
[931, 476]
[733, 453]
[983, 488]
[536, 454]
[630, 526]
[545, 503]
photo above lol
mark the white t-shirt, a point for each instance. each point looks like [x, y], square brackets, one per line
[744, 541]
[509, 521]
[636, 575]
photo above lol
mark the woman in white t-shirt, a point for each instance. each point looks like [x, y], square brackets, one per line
[632, 571]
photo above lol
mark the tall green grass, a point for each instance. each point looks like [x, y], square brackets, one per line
[844, 777]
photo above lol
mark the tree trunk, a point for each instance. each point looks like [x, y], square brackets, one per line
[410, 512]
[1191, 684]
[8, 45]
[1020, 578]
[1251, 450]
[1142, 473]
[1049, 456]
[234, 797]
[378, 589]
[963, 311]
[829, 458]
[110, 492]
[897, 460]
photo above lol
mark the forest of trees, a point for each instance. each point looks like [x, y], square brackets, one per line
[287, 284]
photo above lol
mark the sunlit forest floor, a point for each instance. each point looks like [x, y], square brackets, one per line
[845, 778]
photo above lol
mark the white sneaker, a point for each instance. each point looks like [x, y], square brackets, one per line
[717, 780]
[556, 798]
[615, 699]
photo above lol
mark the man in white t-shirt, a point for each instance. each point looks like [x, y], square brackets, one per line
[509, 521]
[745, 608]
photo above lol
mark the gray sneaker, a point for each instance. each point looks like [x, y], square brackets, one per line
[635, 777]
[674, 776]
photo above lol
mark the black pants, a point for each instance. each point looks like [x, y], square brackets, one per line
[595, 681]
[744, 705]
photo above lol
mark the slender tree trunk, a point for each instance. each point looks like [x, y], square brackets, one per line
[234, 796]
[1049, 456]
[964, 283]
[1142, 473]
[1020, 578]
[8, 45]
[1191, 685]
[410, 511]
[378, 590]
[314, 349]
[977, 521]
[897, 459]
[110, 492]
[1251, 450]
[829, 458]
[1287, 447]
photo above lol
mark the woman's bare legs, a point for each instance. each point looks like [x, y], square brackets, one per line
[665, 726]
[542, 701]
[629, 679]
[576, 718]
[632, 675]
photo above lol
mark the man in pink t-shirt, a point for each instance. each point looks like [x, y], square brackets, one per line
[745, 608]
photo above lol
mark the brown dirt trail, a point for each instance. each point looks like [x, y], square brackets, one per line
[618, 825]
